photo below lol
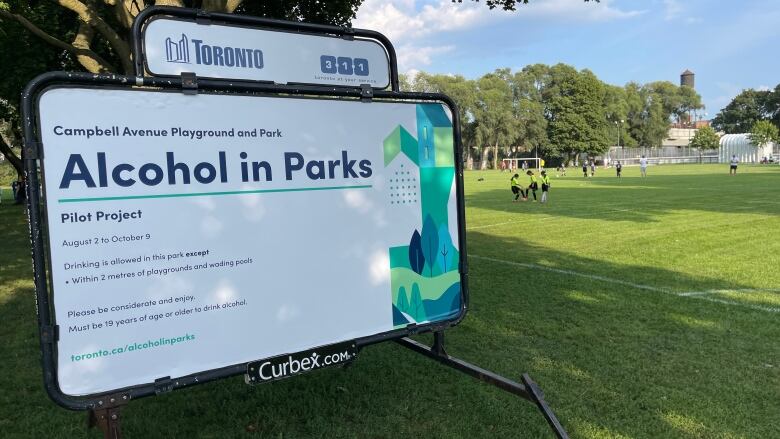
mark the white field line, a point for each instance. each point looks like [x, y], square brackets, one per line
[693, 294]
[739, 290]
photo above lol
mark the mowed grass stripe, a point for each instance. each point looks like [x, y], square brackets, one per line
[691, 295]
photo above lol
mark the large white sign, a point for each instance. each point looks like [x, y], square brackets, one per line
[174, 46]
[193, 232]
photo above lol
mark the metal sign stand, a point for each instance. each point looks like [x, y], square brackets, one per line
[528, 390]
[107, 415]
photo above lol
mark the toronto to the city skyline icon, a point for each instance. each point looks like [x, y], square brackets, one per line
[177, 51]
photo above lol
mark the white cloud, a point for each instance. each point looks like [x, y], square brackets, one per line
[672, 9]
[412, 58]
[413, 26]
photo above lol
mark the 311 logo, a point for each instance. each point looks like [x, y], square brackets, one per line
[177, 51]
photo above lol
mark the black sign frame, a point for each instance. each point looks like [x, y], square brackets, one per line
[33, 152]
[246, 21]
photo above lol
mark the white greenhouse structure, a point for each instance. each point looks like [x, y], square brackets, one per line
[741, 146]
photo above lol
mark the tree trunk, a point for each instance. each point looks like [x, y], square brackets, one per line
[13, 159]
[495, 157]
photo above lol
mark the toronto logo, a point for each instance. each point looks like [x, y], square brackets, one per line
[177, 51]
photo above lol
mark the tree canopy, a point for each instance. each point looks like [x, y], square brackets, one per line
[747, 108]
[705, 138]
[556, 111]
[763, 132]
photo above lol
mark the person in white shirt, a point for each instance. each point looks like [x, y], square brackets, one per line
[733, 165]
[643, 166]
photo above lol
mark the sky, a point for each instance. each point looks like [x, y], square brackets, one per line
[730, 45]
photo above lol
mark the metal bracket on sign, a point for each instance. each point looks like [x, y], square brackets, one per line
[31, 150]
[189, 83]
[366, 93]
[163, 385]
[203, 18]
[349, 34]
[50, 334]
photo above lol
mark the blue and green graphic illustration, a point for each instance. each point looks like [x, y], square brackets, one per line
[425, 281]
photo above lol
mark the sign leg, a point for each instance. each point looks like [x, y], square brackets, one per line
[107, 420]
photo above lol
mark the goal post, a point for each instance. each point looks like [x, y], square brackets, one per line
[531, 163]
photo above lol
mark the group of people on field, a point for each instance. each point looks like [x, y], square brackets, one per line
[524, 191]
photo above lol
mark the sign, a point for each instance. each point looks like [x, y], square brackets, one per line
[172, 46]
[285, 366]
[189, 233]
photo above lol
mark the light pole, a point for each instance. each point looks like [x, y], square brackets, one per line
[619, 125]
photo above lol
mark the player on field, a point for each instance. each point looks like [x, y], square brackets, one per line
[618, 169]
[545, 186]
[533, 186]
[643, 166]
[585, 168]
[517, 188]
[733, 165]
[593, 168]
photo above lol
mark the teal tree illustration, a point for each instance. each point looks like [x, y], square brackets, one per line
[416, 309]
[446, 250]
[430, 242]
[403, 303]
[416, 256]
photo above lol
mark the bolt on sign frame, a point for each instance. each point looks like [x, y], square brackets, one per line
[104, 407]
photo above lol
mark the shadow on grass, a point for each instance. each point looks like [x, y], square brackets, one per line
[616, 360]
[613, 361]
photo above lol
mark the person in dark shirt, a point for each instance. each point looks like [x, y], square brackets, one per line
[619, 169]
[585, 169]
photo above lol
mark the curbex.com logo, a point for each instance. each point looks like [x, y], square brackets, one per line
[179, 50]
[285, 366]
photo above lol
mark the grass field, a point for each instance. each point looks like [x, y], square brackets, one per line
[645, 308]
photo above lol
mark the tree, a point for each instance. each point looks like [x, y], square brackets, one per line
[494, 122]
[430, 242]
[651, 108]
[527, 86]
[416, 308]
[772, 106]
[764, 132]
[705, 138]
[403, 302]
[95, 36]
[510, 5]
[416, 256]
[445, 248]
[743, 112]
[574, 105]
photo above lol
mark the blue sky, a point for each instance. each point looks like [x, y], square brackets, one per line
[730, 44]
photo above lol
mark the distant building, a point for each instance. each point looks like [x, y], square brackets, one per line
[741, 146]
[687, 78]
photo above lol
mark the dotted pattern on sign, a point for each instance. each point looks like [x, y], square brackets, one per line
[403, 187]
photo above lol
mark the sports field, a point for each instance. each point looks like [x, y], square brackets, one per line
[645, 308]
